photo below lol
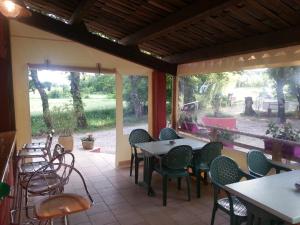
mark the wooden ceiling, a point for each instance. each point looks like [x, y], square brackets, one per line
[180, 31]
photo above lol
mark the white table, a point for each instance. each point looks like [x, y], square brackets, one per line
[163, 147]
[157, 148]
[274, 194]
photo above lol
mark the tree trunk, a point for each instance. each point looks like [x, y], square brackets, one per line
[188, 91]
[248, 107]
[280, 98]
[77, 101]
[39, 86]
[134, 97]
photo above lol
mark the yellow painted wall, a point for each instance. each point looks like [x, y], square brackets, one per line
[31, 45]
[289, 56]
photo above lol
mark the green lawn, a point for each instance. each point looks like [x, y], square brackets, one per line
[94, 102]
[99, 111]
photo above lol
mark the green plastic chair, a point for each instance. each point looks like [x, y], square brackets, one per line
[137, 136]
[202, 159]
[4, 190]
[260, 166]
[223, 171]
[175, 165]
[168, 134]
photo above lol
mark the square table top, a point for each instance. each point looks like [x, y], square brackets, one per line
[163, 147]
[276, 194]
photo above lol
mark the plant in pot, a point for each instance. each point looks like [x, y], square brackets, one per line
[64, 124]
[226, 138]
[88, 142]
[285, 132]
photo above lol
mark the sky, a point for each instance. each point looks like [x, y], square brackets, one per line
[56, 77]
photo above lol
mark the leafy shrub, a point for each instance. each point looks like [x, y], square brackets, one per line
[63, 119]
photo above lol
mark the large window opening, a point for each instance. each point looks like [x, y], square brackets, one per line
[135, 103]
[77, 103]
[257, 102]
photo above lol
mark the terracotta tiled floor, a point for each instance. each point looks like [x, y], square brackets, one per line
[119, 201]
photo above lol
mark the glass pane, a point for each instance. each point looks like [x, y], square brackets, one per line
[258, 101]
[135, 103]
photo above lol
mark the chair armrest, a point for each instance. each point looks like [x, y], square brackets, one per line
[256, 175]
[247, 175]
[279, 167]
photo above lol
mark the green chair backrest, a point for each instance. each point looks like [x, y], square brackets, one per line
[224, 170]
[258, 162]
[139, 136]
[168, 134]
[178, 157]
[207, 154]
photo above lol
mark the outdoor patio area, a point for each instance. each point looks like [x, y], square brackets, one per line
[149, 112]
[119, 201]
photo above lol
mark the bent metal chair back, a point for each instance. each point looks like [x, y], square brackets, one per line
[223, 171]
[30, 167]
[168, 134]
[175, 165]
[202, 159]
[137, 136]
[260, 166]
[57, 202]
[35, 152]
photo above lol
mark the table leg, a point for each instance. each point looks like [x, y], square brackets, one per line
[259, 216]
[147, 176]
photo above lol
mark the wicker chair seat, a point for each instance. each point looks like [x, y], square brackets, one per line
[238, 207]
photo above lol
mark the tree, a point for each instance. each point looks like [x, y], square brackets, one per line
[77, 101]
[294, 84]
[35, 82]
[135, 92]
[280, 76]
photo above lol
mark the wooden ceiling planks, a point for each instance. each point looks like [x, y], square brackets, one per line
[170, 28]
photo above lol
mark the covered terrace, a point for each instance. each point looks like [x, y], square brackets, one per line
[153, 39]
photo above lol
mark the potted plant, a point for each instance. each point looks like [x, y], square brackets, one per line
[64, 123]
[226, 138]
[88, 142]
[285, 132]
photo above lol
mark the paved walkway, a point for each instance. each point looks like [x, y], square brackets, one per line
[104, 139]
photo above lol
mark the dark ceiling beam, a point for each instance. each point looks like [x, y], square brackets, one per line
[197, 10]
[81, 9]
[274, 40]
[84, 37]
